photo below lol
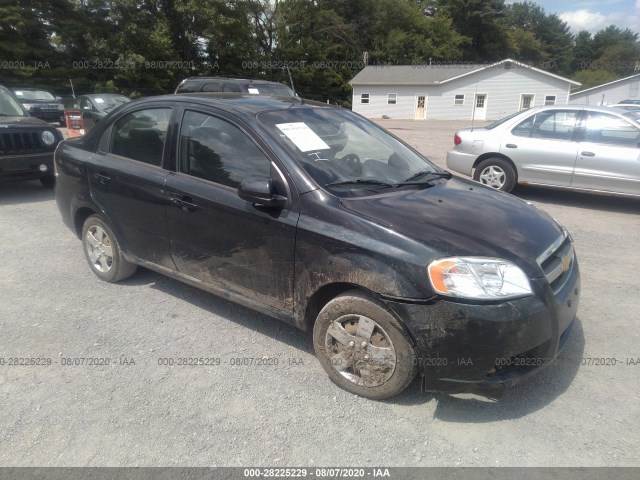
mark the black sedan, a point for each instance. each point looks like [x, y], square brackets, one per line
[95, 107]
[315, 216]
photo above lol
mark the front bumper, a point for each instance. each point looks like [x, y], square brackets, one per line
[461, 162]
[484, 348]
[24, 167]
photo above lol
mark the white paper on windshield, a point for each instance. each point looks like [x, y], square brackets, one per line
[254, 91]
[99, 100]
[302, 136]
[19, 93]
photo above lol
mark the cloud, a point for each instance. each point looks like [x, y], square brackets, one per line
[584, 19]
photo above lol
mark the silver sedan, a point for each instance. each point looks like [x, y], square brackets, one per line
[574, 147]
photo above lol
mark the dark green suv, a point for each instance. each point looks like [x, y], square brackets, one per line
[26, 143]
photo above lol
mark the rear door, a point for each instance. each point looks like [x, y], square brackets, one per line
[127, 179]
[217, 237]
[608, 155]
[543, 147]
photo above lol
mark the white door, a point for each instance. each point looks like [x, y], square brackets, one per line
[421, 107]
[480, 107]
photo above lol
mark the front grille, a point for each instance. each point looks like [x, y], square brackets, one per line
[21, 143]
[49, 108]
[557, 262]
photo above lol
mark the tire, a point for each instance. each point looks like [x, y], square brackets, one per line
[497, 173]
[48, 181]
[98, 241]
[374, 357]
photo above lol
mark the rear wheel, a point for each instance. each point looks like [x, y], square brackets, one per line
[362, 347]
[102, 251]
[497, 173]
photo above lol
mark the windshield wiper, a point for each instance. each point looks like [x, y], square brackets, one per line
[413, 179]
[360, 181]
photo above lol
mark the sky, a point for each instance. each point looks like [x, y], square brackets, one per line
[593, 15]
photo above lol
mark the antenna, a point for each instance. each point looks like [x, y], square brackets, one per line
[73, 93]
[475, 102]
[290, 79]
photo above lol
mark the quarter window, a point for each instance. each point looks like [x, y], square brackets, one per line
[553, 124]
[141, 135]
[391, 99]
[611, 130]
[364, 98]
[550, 100]
[459, 99]
[216, 150]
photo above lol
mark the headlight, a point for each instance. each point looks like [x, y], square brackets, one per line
[48, 138]
[478, 278]
[28, 106]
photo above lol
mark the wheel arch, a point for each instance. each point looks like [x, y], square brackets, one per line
[80, 216]
[324, 295]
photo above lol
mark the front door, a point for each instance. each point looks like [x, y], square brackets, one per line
[480, 107]
[609, 155]
[217, 237]
[421, 107]
[128, 185]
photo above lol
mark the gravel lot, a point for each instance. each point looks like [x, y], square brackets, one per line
[135, 412]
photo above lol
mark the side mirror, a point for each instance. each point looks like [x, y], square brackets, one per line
[259, 191]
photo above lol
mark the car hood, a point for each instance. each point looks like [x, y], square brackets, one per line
[458, 217]
[22, 122]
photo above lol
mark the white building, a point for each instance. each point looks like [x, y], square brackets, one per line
[456, 92]
[609, 93]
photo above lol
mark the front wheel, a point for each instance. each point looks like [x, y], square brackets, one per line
[497, 173]
[48, 181]
[362, 347]
[102, 251]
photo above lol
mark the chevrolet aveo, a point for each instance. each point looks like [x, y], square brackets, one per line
[315, 216]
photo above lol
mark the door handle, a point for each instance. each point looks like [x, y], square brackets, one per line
[511, 145]
[101, 178]
[185, 203]
[587, 154]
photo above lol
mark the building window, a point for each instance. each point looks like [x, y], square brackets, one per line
[391, 98]
[364, 98]
[550, 100]
[459, 99]
[526, 101]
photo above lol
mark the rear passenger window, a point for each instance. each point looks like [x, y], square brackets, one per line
[141, 135]
[216, 150]
[211, 87]
[552, 124]
[231, 87]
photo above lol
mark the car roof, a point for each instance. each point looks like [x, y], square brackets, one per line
[593, 108]
[239, 103]
[232, 79]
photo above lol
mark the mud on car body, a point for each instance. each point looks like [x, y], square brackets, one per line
[315, 216]
[26, 143]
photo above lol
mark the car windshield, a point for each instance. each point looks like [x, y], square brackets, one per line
[346, 154]
[9, 107]
[502, 120]
[269, 89]
[34, 95]
[110, 102]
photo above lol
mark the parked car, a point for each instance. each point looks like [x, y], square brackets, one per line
[41, 104]
[95, 107]
[316, 216]
[629, 102]
[234, 85]
[574, 147]
[26, 143]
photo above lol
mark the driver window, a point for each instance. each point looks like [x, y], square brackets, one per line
[216, 150]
